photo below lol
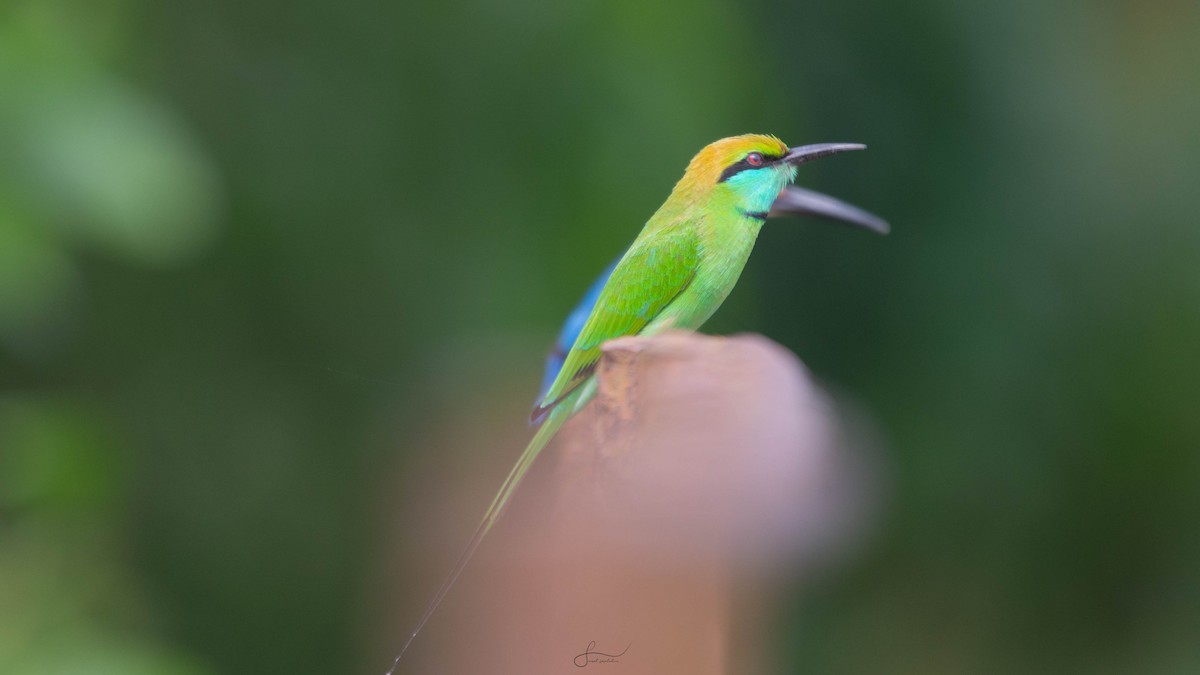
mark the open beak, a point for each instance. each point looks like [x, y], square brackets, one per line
[795, 201]
[807, 153]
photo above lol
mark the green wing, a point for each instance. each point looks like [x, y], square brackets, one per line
[654, 271]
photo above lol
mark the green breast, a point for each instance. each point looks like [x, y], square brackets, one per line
[726, 248]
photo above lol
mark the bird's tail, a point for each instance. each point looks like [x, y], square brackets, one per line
[544, 433]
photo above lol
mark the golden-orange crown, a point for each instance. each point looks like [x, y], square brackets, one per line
[706, 167]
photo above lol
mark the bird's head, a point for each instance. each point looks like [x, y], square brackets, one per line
[750, 172]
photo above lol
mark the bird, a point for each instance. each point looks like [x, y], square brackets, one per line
[793, 201]
[675, 274]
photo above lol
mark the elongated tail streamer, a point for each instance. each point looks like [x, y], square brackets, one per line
[546, 432]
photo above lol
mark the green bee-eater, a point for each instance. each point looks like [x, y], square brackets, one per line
[676, 274]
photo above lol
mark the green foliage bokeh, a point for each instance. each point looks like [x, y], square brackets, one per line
[251, 253]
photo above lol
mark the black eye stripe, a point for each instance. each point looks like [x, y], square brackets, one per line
[738, 167]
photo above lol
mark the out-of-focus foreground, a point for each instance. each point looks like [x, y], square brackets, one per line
[707, 474]
[263, 263]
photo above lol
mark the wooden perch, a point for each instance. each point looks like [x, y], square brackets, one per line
[705, 467]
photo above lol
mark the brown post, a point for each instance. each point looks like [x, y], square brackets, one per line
[649, 538]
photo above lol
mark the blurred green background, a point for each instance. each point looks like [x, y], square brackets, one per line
[254, 255]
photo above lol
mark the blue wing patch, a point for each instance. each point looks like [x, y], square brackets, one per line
[571, 328]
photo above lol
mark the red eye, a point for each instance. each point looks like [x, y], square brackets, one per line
[754, 159]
